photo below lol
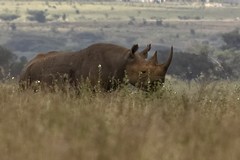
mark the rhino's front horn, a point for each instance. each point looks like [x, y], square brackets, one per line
[154, 58]
[167, 64]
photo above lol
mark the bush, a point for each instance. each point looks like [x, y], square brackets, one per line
[38, 16]
[9, 17]
[231, 59]
[132, 18]
[159, 22]
[131, 22]
[144, 21]
[197, 18]
[77, 11]
[64, 17]
[188, 17]
[13, 26]
[183, 17]
[6, 56]
[106, 15]
[192, 31]
[232, 40]
[16, 67]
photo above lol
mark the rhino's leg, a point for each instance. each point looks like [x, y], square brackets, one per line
[72, 78]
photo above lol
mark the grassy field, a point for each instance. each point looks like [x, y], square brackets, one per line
[178, 122]
[196, 121]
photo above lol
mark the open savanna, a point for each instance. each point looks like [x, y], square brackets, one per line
[181, 121]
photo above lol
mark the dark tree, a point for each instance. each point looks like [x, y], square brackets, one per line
[13, 27]
[6, 56]
[38, 16]
[64, 16]
[9, 17]
[190, 66]
[16, 67]
[232, 40]
[6, 59]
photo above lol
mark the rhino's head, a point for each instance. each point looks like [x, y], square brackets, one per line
[145, 73]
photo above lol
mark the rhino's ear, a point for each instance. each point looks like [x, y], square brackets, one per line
[154, 59]
[144, 53]
[133, 50]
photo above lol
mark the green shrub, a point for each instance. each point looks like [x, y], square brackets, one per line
[36, 15]
[6, 56]
[17, 66]
[64, 17]
[232, 39]
[9, 17]
[159, 22]
[231, 59]
[192, 31]
[77, 11]
[13, 26]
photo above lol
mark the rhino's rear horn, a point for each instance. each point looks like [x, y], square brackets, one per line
[144, 53]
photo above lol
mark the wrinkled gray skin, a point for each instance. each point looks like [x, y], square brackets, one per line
[108, 62]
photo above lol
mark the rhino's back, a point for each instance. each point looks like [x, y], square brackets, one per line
[110, 58]
[104, 54]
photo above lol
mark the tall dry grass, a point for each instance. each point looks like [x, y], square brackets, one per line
[178, 122]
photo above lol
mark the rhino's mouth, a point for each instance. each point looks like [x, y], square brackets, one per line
[150, 85]
[154, 85]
